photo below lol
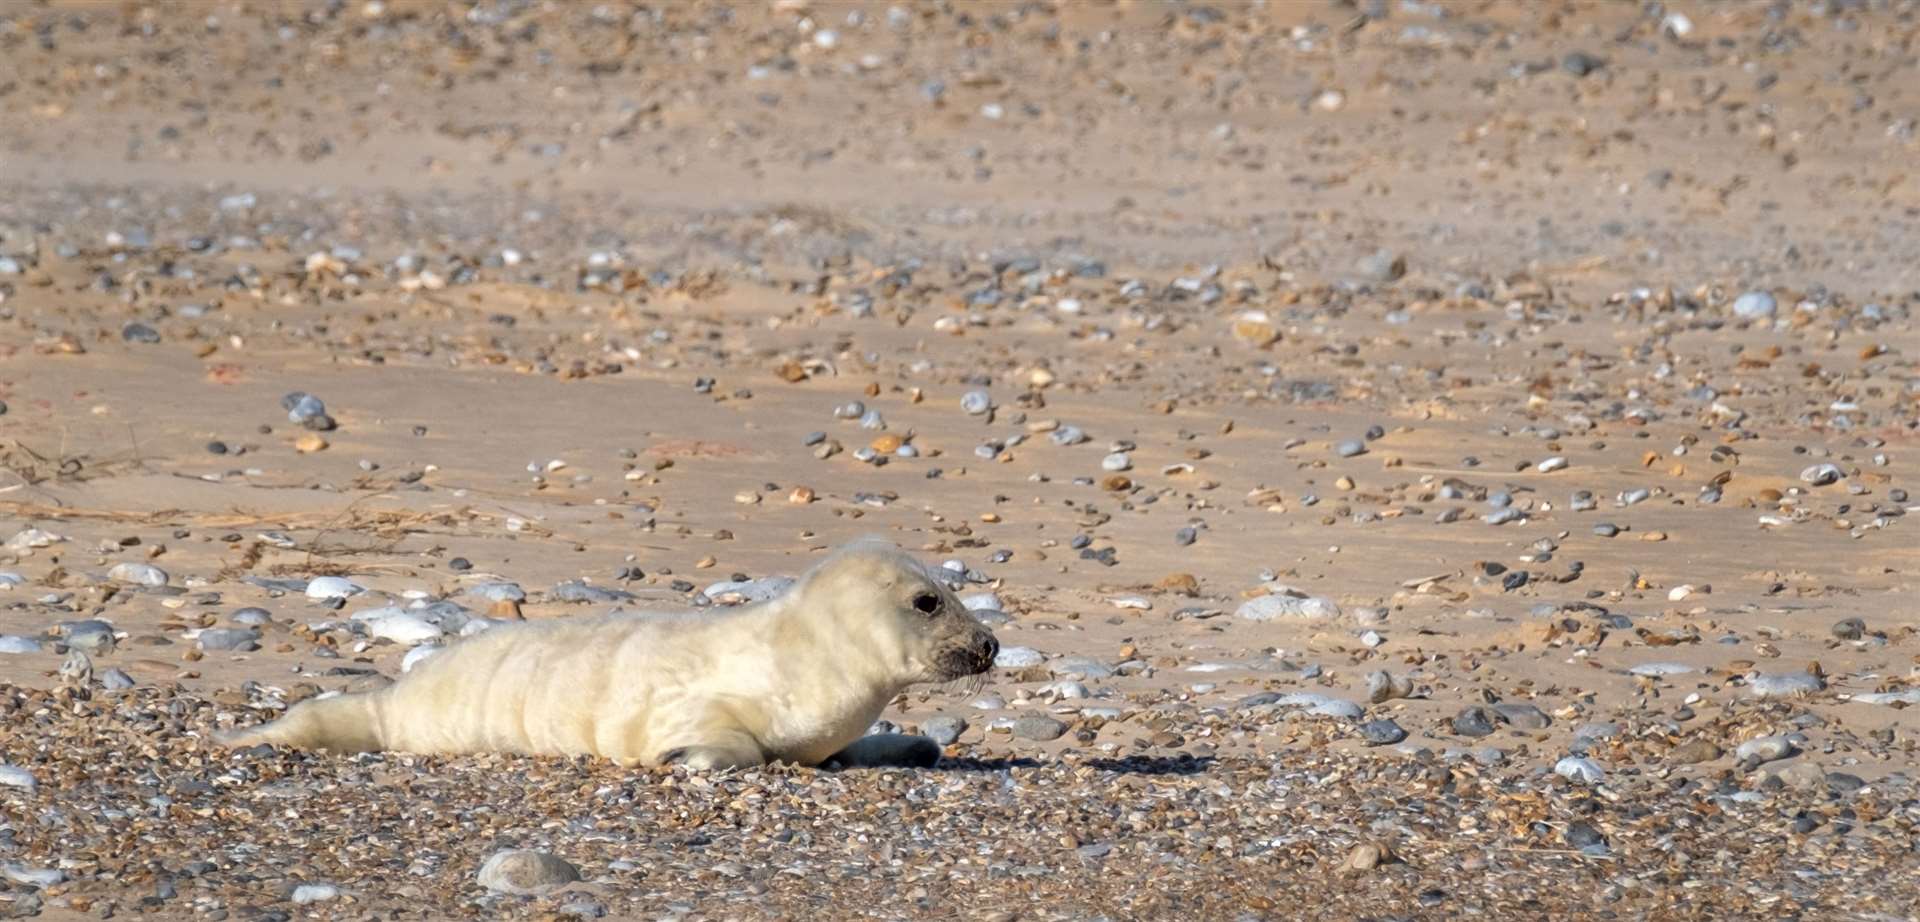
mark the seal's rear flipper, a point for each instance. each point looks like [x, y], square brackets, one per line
[341, 723]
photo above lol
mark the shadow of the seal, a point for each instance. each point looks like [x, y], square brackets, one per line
[1130, 765]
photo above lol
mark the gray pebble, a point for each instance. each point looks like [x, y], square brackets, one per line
[1067, 435]
[1754, 305]
[314, 893]
[251, 617]
[1474, 721]
[229, 638]
[139, 333]
[1579, 769]
[139, 574]
[1764, 749]
[1850, 629]
[523, 872]
[1348, 448]
[1381, 266]
[116, 680]
[1382, 732]
[1040, 729]
[14, 643]
[1822, 474]
[1018, 658]
[943, 730]
[1524, 716]
[976, 403]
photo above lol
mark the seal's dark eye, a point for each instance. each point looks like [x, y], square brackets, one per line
[926, 603]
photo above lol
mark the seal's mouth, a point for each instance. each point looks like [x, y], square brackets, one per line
[972, 658]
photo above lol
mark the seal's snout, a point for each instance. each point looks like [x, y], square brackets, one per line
[982, 652]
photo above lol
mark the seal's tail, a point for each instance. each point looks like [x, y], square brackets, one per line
[341, 723]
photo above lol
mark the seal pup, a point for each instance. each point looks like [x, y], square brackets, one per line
[796, 678]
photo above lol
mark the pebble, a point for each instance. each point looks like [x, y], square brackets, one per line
[976, 403]
[1524, 716]
[1659, 670]
[1117, 461]
[889, 750]
[1784, 685]
[1474, 722]
[13, 776]
[1381, 266]
[1764, 749]
[322, 588]
[14, 643]
[1322, 705]
[1278, 606]
[1579, 769]
[524, 872]
[1382, 732]
[1349, 448]
[1040, 729]
[1850, 629]
[1067, 435]
[116, 680]
[1821, 475]
[139, 574]
[314, 893]
[1552, 464]
[1383, 686]
[1694, 751]
[1754, 305]
[943, 730]
[498, 592]
[228, 638]
[8, 580]
[402, 627]
[251, 617]
[575, 590]
[91, 635]
[1018, 658]
[137, 332]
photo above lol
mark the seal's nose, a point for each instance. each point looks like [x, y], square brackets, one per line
[987, 650]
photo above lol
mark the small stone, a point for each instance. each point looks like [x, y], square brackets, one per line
[331, 587]
[1276, 607]
[976, 403]
[228, 638]
[251, 617]
[1821, 475]
[1784, 685]
[116, 680]
[1348, 448]
[1382, 732]
[943, 730]
[314, 893]
[1474, 722]
[139, 574]
[1695, 751]
[1850, 629]
[1579, 769]
[1366, 856]
[1118, 461]
[1383, 686]
[139, 333]
[1754, 305]
[1551, 464]
[1018, 658]
[1040, 729]
[889, 750]
[1381, 266]
[1580, 63]
[13, 776]
[1764, 749]
[308, 443]
[14, 643]
[523, 872]
[1524, 716]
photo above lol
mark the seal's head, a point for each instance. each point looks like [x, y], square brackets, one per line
[904, 612]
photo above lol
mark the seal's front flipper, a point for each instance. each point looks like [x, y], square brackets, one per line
[716, 751]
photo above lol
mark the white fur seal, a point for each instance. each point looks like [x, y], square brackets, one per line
[796, 678]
